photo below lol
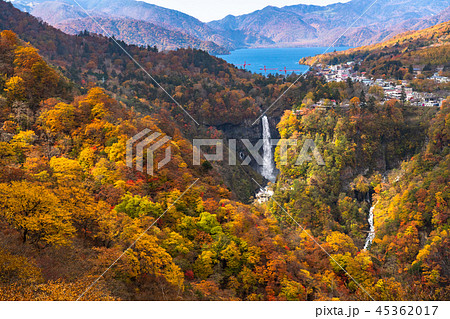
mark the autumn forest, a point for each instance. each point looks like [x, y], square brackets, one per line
[70, 207]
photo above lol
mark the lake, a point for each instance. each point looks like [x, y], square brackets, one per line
[275, 59]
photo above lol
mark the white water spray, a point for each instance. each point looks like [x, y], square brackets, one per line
[268, 166]
[371, 235]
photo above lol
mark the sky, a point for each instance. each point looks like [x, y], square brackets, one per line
[208, 10]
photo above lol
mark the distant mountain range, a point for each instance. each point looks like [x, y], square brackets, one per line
[158, 26]
[139, 32]
[141, 23]
[301, 25]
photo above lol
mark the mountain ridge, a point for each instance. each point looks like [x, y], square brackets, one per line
[402, 47]
[131, 31]
[62, 13]
[70, 206]
[289, 26]
[327, 22]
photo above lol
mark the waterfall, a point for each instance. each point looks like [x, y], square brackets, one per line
[268, 165]
[371, 235]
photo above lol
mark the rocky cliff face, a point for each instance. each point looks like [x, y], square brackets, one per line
[251, 132]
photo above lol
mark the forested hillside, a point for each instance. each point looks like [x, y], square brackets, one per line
[121, 18]
[427, 49]
[288, 26]
[362, 148]
[213, 91]
[140, 33]
[70, 206]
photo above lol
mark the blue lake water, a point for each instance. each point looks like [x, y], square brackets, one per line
[274, 58]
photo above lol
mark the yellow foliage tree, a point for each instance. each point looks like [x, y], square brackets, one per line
[15, 88]
[36, 212]
[17, 269]
[203, 266]
[66, 170]
[150, 258]
[60, 119]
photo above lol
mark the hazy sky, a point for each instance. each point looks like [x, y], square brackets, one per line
[208, 10]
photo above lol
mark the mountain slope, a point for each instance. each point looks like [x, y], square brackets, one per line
[426, 22]
[328, 23]
[174, 29]
[276, 22]
[297, 25]
[69, 205]
[212, 91]
[60, 204]
[139, 32]
[429, 46]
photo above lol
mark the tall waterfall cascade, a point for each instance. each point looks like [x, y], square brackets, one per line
[268, 166]
[371, 235]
